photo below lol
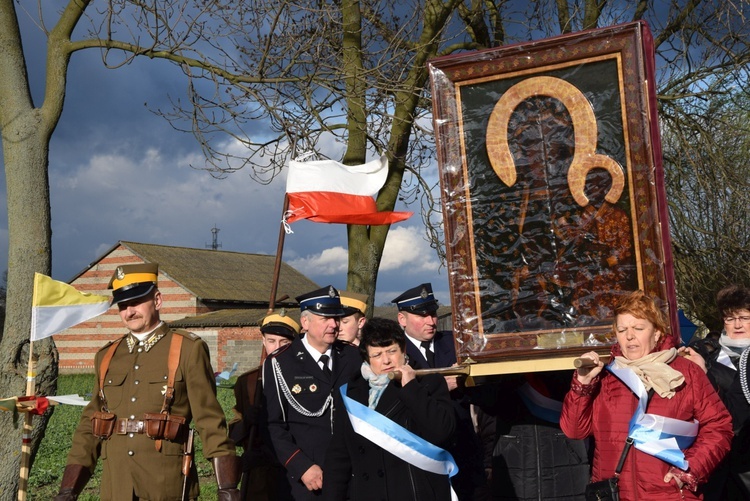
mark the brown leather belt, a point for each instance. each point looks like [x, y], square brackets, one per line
[125, 426]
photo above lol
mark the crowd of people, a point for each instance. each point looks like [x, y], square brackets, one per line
[339, 410]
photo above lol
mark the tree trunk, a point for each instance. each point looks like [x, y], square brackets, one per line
[25, 152]
[26, 132]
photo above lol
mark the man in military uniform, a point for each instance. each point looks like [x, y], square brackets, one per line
[427, 347]
[355, 307]
[141, 452]
[298, 383]
[263, 477]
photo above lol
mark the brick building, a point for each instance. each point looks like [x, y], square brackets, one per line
[219, 295]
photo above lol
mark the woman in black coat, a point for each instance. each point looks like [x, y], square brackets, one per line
[357, 468]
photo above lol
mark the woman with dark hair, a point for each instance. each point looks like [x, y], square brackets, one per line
[363, 462]
[724, 360]
[647, 385]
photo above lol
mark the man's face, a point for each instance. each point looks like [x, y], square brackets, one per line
[349, 327]
[321, 331]
[141, 314]
[420, 327]
[272, 342]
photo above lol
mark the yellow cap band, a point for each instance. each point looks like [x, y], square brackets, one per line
[281, 319]
[354, 303]
[133, 278]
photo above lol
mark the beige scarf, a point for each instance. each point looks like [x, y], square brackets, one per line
[654, 372]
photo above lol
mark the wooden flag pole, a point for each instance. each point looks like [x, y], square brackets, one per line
[28, 427]
[279, 252]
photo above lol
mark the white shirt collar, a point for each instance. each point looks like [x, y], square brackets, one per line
[314, 353]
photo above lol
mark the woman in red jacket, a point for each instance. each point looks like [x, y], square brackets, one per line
[605, 405]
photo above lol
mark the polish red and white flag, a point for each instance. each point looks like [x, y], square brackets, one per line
[326, 191]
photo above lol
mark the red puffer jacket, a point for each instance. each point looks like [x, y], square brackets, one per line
[604, 409]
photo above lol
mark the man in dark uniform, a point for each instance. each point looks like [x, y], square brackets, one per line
[417, 315]
[263, 477]
[133, 377]
[298, 383]
[427, 347]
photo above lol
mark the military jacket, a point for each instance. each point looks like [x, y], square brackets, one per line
[135, 384]
[299, 404]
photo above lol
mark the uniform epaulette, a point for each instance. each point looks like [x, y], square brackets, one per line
[104, 348]
[190, 335]
[279, 350]
[339, 345]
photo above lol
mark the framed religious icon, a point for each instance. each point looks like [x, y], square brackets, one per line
[552, 191]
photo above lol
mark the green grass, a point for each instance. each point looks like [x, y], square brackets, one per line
[47, 470]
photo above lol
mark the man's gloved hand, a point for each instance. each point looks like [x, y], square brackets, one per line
[65, 495]
[74, 480]
[227, 470]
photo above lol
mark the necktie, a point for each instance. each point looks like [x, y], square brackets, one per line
[429, 355]
[324, 360]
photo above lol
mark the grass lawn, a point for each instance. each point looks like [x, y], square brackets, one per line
[49, 464]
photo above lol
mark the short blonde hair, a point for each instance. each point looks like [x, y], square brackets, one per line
[642, 306]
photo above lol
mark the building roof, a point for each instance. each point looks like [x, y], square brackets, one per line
[240, 317]
[243, 317]
[224, 276]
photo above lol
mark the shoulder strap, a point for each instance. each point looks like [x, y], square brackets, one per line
[252, 385]
[629, 441]
[104, 367]
[175, 347]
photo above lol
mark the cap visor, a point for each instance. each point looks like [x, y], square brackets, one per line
[135, 292]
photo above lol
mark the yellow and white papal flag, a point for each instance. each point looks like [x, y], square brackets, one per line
[57, 306]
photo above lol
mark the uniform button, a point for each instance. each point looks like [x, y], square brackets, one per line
[366, 476]
[140, 350]
[132, 416]
[136, 367]
[109, 381]
[136, 382]
[132, 399]
[165, 378]
[131, 453]
[361, 450]
[131, 436]
[381, 473]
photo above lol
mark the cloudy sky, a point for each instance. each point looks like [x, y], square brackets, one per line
[119, 172]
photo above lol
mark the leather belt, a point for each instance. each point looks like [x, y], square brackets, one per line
[125, 426]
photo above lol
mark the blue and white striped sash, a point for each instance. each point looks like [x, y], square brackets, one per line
[656, 435]
[397, 440]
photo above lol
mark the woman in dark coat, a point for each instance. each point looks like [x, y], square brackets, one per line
[725, 362]
[357, 468]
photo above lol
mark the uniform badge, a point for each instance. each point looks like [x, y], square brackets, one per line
[120, 273]
[313, 388]
[331, 292]
[424, 293]
[296, 389]
[164, 390]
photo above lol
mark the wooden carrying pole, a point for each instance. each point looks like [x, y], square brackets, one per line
[28, 427]
[457, 370]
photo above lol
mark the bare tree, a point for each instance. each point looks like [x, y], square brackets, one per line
[706, 146]
[347, 70]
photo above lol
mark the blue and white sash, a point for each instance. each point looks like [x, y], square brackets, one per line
[656, 435]
[540, 406]
[397, 440]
